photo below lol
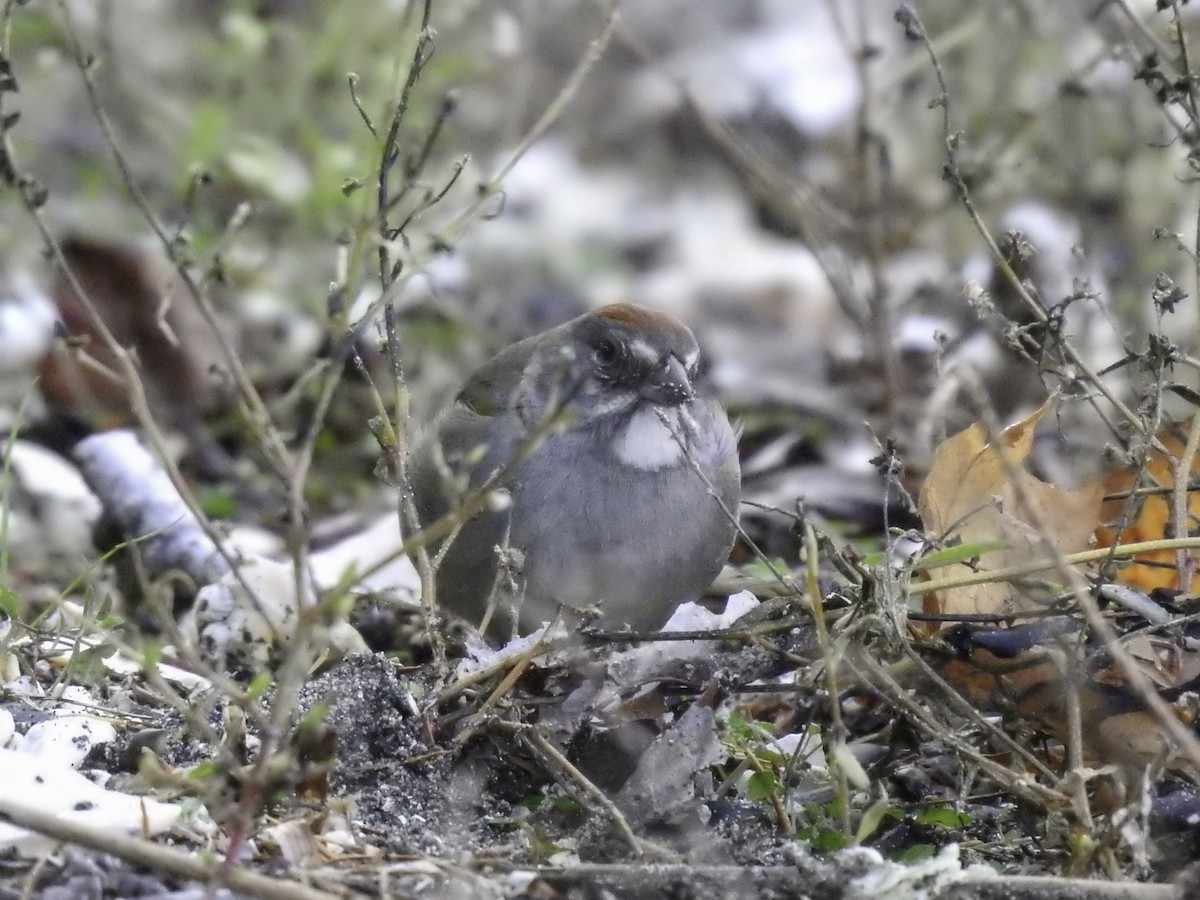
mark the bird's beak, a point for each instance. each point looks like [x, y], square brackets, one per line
[669, 386]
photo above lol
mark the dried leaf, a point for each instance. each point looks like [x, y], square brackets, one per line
[972, 497]
[976, 493]
[1136, 738]
[1153, 516]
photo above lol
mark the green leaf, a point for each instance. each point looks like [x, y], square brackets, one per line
[942, 816]
[871, 820]
[541, 845]
[532, 801]
[87, 666]
[762, 785]
[563, 803]
[843, 757]
[151, 655]
[260, 163]
[245, 32]
[212, 124]
[202, 770]
[833, 808]
[737, 727]
[316, 715]
[259, 685]
[217, 502]
[827, 840]
[916, 853]
[9, 602]
[959, 553]
[757, 568]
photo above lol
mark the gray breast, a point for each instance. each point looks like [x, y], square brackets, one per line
[634, 542]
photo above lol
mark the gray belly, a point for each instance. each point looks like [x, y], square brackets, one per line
[593, 532]
[635, 546]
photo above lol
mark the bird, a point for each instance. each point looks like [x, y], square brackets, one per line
[616, 475]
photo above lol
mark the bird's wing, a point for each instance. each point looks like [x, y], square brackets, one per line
[489, 390]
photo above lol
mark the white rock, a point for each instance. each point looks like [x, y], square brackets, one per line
[245, 541]
[339, 564]
[66, 739]
[23, 686]
[52, 786]
[27, 319]
[694, 617]
[638, 664]
[249, 617]
[248, 628]
[51, 514]
[794, 62]
[120, 664]
[480, 655]
[76, 695]
[928, 878]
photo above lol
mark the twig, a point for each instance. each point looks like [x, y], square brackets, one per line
[501, 690]
[782, 577]
[639, 879]
[831, 657]
[546, 748]
[566, 94]
[1038, 794]
[1009, 573]
[256, 412]
[457, 226]
[915, 29]
[33, 198]
[1182, 514]
[790, 201]
[1135, 677]
[156, 857]
[965, 708]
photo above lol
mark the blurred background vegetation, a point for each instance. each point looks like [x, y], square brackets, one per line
[772, 171]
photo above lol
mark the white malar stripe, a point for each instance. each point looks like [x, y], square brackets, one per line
[644, 350]
[646, 443]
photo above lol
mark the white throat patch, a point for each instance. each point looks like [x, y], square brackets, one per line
[647, 443]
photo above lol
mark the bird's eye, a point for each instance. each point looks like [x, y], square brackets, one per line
[607, 352]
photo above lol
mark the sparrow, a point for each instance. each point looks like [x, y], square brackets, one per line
[616, 477]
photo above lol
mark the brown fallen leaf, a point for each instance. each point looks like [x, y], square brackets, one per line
[1152, 518]
[976, 493]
